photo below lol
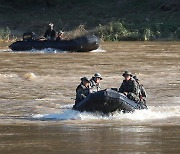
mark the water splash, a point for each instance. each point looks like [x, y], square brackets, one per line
[10, 75]
[98, 50]
[51, 50]
[5, 50]
[153, 113]
[46, 50]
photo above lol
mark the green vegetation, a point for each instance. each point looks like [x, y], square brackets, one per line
[112, 20]
[4, 34]
[119, 30]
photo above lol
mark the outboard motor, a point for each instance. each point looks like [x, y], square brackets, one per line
[30, 36]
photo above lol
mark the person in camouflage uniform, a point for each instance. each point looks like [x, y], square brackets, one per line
[142, 91]
[129, 87]
[95, 82]
[50, 33]
[82, 90]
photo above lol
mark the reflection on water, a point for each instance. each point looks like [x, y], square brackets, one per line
[38, 88]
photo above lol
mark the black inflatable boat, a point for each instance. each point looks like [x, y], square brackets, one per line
[80, 44]
[107, 101]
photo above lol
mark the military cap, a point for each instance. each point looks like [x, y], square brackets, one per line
[127, 73]
[85, 79]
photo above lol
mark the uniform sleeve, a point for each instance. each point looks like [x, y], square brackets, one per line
[79, 93]
[143, 91]
[121, 88]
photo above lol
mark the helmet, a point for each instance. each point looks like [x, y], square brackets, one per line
[135, 78]
[97, 75]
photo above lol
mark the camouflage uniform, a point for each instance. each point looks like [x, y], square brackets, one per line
[81, 93]
[142, 94]
[142, 91]
[131, 88]
[94, 87]
[50, 33]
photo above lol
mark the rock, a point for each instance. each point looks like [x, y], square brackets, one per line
[29, 76]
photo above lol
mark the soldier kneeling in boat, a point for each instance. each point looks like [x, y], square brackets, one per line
[82, 90]
[129, 87]
[95, 82]
[142, 91]
[59, 36]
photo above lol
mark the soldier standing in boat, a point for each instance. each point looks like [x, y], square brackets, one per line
[82, 90]
[95, 82]
[142, 91]
[50, 33]
[59, 36]
[129, 87]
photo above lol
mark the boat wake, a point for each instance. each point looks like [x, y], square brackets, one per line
[47, 50]
[98, 50]
[5, 50]
[50, 50]
[153, 113]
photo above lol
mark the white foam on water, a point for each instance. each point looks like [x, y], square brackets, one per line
[153, 113]
[66, 115]
[98, 50]
[5, 50]
[11, 75]
[68, 106]
[46, 50]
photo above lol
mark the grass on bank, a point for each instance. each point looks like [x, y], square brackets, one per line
[4, 34]
[118, 31]
[121, 31]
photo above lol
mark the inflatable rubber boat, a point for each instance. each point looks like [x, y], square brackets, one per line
[80, 44]
[107, 101]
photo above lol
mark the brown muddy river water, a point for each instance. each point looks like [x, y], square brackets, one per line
[37, 90]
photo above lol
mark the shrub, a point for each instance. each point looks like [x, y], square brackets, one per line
[117, 31]
[4, 33]
[79, 31]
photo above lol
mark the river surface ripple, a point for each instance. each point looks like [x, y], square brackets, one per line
[37, 91]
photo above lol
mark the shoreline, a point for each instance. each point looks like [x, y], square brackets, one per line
[4, 45]
[15, 35]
